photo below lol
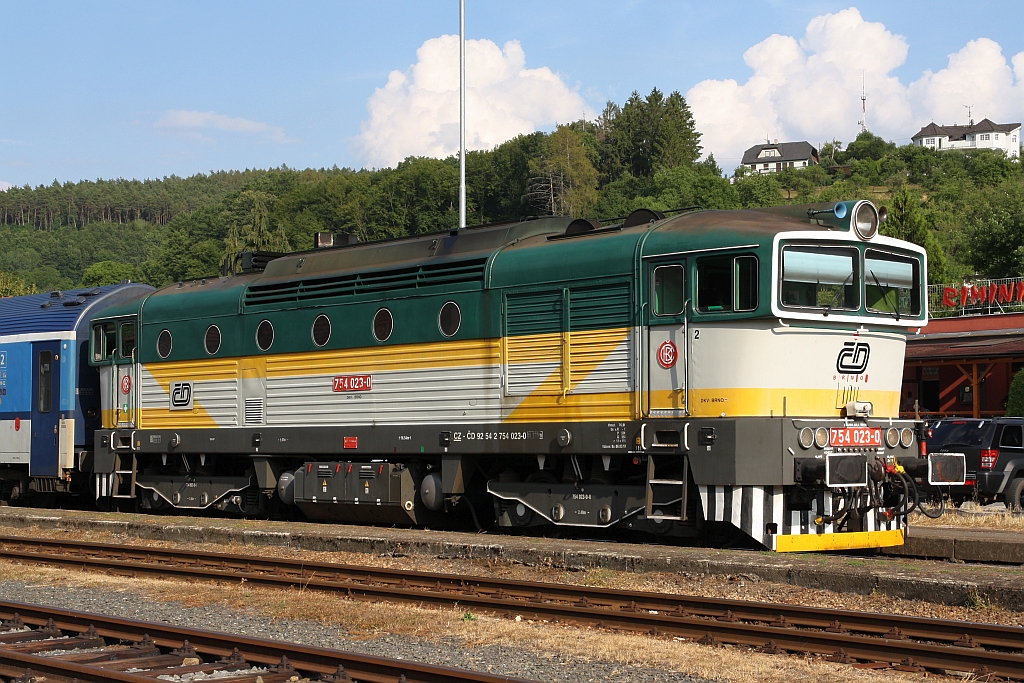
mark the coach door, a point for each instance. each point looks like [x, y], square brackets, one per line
[45, 408]
[665, 385]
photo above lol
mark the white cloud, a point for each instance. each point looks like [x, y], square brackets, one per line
[809, 89]
[192, 124]
[4, 186]
[417, 112]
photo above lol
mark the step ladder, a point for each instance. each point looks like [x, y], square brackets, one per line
[666, 486]
[124, 475]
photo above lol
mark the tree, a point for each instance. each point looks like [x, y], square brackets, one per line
[564, 179]
[646, 134]
[905, 221]
[1015, 400]
[759, 190]
[12, 285]
[248, 221]
[866, 146]
[107, 273]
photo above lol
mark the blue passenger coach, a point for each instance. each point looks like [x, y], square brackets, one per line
[49, 395]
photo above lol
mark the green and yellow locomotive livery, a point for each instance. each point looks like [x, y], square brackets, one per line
[688, 375]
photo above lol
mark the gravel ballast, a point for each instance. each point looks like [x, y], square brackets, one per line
[447, 651]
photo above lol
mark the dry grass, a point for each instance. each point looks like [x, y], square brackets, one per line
[1006, 521]
[368, 619]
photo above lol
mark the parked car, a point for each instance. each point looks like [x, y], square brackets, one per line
[994, 450]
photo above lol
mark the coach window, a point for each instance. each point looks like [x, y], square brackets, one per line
[127, 340]
[45, 381]
[669, 290]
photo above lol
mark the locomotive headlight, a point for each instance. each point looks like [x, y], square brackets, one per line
[820, 437]
[907, 437]
[892, 437]
[865, 220]
[806, 437]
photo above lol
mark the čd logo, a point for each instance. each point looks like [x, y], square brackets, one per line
[853, 359]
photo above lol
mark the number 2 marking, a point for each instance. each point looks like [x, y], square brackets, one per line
[696, 334]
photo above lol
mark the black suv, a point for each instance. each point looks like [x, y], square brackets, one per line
[994, 450]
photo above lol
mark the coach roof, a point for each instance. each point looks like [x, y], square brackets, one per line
[59, 311]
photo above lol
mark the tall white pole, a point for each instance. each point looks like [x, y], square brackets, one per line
[462, 114]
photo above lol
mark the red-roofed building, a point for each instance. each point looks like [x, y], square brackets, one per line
[962, 362]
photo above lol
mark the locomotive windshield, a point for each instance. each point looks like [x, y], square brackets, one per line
[829, 278]
[892, 283]
[820, 277]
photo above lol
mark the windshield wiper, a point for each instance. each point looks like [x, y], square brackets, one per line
[885, 295]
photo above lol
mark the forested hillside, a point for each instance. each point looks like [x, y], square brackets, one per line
[966, 208]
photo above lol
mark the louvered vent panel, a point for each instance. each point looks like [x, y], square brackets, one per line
[254, 411]
[463, 273]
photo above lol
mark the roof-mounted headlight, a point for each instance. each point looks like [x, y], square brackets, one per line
[865, 220]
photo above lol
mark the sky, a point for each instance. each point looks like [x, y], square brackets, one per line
[106, 89]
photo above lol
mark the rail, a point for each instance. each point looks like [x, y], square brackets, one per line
[159, 651]
[903, 642]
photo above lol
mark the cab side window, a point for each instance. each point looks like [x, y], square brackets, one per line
[669, 290]
[104, 341]
[714, 284]
[726, 283]
[127, 340]
[1013, 436]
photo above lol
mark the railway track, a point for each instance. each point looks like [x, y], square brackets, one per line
[858, 638]
[60, 646]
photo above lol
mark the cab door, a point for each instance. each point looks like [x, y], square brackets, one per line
[45, 408]
[126, 386]
[665, 392]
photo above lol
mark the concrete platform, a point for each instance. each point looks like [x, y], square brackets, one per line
[963, 544]
[897, 576]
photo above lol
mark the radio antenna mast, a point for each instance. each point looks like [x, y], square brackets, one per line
[863, 105]
[970, 119]
[462, 116]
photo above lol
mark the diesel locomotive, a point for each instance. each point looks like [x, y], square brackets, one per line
[697, 374]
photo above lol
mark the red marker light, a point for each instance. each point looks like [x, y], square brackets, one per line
[636, 460]
[17, 424]
[309, 467]
[337, 468]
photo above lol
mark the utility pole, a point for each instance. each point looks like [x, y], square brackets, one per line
[462, 115]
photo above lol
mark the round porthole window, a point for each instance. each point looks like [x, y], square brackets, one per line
[321, 330]
[163, 344]
[265, 335]
[449, 319]
[212, 340]
[383, 325]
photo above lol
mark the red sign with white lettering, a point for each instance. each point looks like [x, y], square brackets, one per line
[353, 383]
[351, 442]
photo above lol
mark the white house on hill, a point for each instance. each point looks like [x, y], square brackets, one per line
[775, 156]
[984, 135]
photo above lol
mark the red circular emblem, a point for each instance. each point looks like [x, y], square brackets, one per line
[126, 384]
[667, 354]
